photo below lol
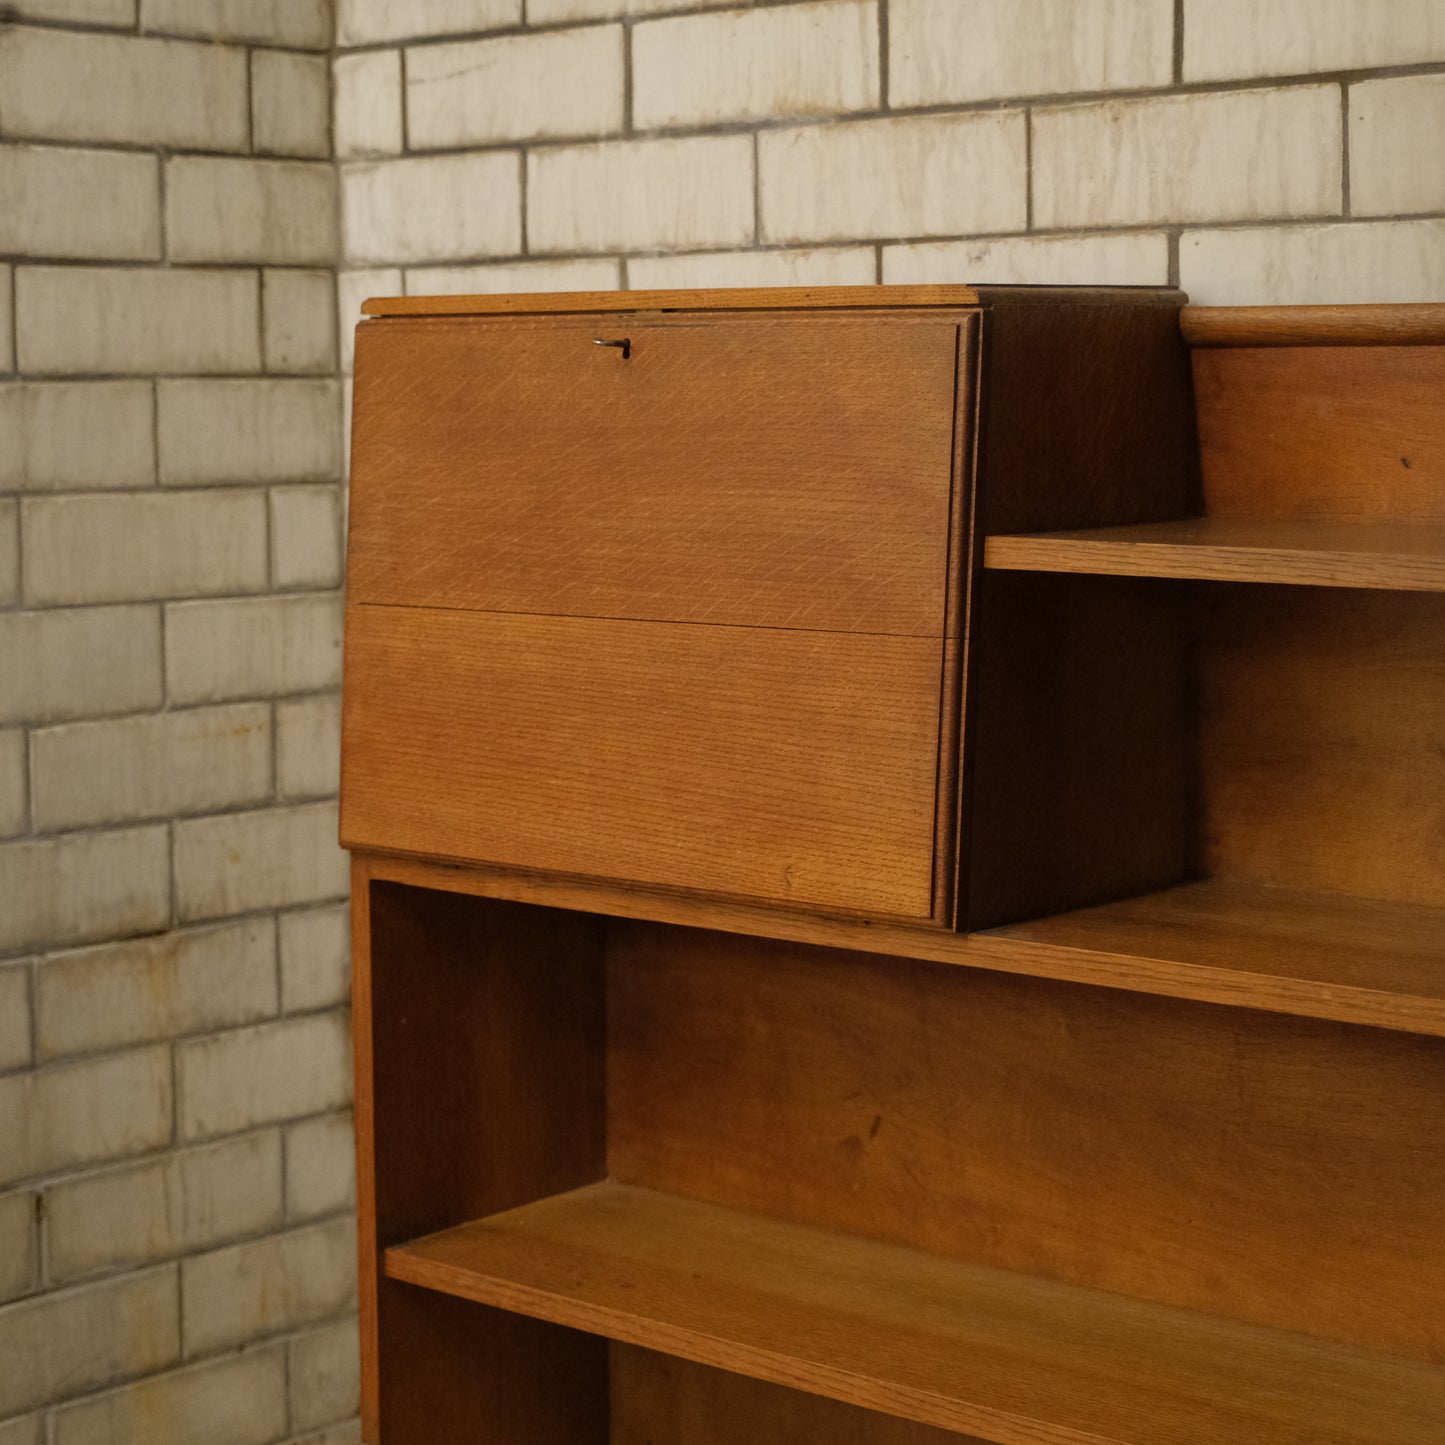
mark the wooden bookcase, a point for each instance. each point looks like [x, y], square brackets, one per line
[899, 859]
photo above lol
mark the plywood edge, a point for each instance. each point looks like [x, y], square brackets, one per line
[1406, 324]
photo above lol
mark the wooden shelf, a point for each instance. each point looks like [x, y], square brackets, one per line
[1319, 955]
[1006, 1357]
[1407, 557]
[1311, 955]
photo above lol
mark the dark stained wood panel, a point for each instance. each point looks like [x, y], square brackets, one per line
[1201, 1157]
[1385, 555]
[794, 767]
[1017, 1361]
[1330, 433]
[764, 472]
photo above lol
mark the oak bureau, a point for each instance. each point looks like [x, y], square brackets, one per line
[899, 869]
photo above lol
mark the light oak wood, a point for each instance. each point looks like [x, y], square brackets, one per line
[1306, 954]
[782, 765]
[1200, 1157]
[1403, 557]
[660, 1399]
[432, 976]
[1322, 433]
[774, 298]
[1015, 1360]
[754, 471]
[1414, 324]
[1322, 739]
[742, 298]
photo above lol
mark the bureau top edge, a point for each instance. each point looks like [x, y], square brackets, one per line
[772, 298]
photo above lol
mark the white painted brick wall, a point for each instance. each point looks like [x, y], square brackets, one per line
[1139, 259]
[1393, 125]
[585, 274]
[253, 1076]
[315, 958]
[75, 320]
[364, 22]
[7, 322]
[74, 435]
[1233, 156]
[80, 12]
[431, 208]
[303, 23]
[559, 83]
[639, 194]
[274, 858]
[1296, 265]
[168, 283]
[247, 431]
[188, 981]
[250, 647]
[178, 1204]
[79, 661]
[308, 746]
[229, 209]
[122, 547]
[15, 1047]
[325, 1379]
[82, 204]
[298, 310]
[9, 552]
[547, 12]
[291, 103]
[942, 52]
[812, 266]
[812, 59]
[320, 1166]
[84, 886]
[151, 766]
[1237, 39]
[63, 85]
[13, 786]
[82, 1113]
[20, 1246]
[238, 1400]
[274, 1284]
[61, 1344]
[933, 175]
[306, 528]
[367, 104]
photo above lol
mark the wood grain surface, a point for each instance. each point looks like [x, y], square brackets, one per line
[1078, 747]
[1322, 739]
[1322, 433]
[1014, 1360]
[458, 1117]
[663, 1400]
[741, 298]
[1415, 324]
[753, 471]
[1399, 556]
[775, 764]
[1262, 1168]
[1304, 954]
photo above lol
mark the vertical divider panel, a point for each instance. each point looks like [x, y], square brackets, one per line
[480, 1086]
